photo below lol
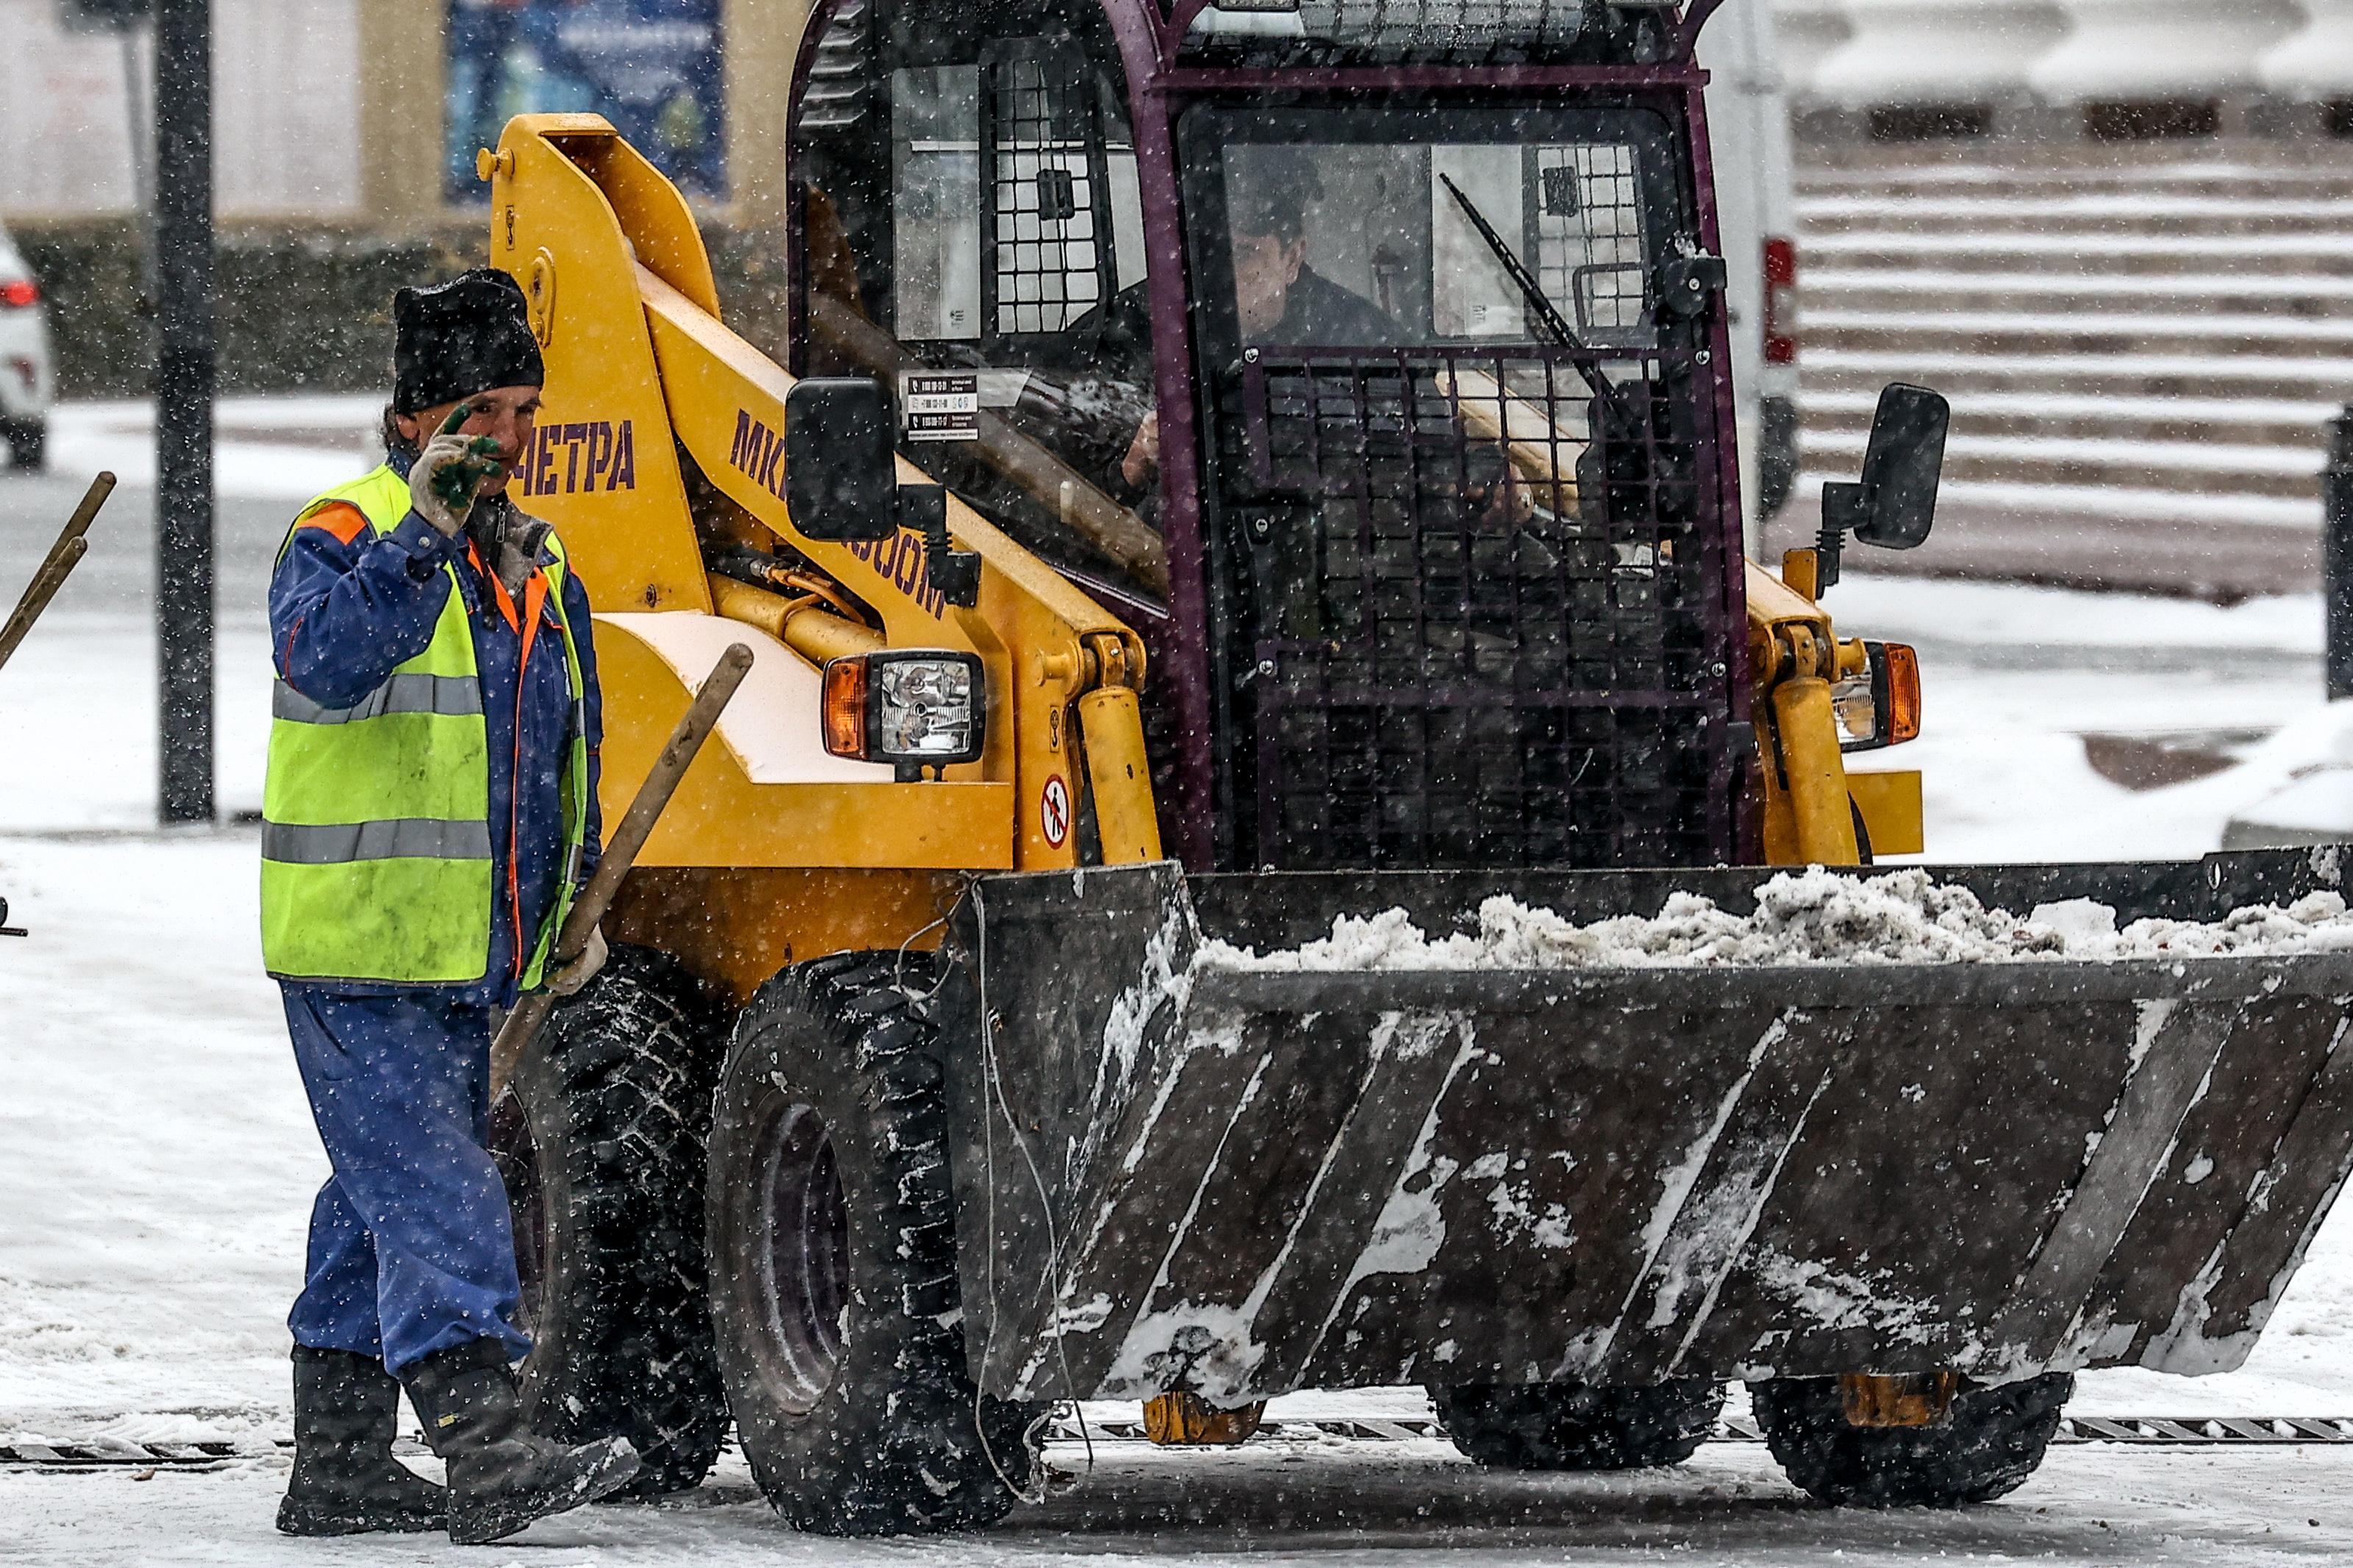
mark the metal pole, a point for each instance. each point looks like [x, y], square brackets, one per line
[138, 92]
[2336, 553]
[183, 405]
[137, 81]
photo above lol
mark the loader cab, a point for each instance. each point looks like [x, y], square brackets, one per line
[970, 231]
[1405, 338]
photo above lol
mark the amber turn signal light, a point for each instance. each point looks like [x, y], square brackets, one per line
[1879, 705]
[1903, 682]
[845, 708]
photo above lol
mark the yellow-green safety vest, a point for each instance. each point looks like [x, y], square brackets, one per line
[375, 838]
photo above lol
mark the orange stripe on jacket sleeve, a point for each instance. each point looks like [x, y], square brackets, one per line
[339, 518]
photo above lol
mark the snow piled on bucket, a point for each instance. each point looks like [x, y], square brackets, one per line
[1810, 917]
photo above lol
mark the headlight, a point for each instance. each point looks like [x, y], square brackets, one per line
[914, 708]
[1880, 707]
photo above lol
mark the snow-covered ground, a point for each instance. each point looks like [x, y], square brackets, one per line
[2014, 678]
[1345, 1505]
[158, 1160]
[285, 447]
[77, 712]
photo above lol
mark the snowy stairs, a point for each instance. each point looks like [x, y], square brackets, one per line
[2142, 360]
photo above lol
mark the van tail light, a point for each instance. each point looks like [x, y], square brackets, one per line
[19, 294]
[1781, 301]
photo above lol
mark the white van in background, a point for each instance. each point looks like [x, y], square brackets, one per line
[1755, 195]
[26, 384]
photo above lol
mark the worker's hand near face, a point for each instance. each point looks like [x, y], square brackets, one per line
[583, 969]
[449, 473]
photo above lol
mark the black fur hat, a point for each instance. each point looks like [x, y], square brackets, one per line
[458, 338]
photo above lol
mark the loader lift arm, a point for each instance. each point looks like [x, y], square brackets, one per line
[1793, 658]
[622, 295]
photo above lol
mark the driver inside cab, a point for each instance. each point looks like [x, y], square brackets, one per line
[1278, 298]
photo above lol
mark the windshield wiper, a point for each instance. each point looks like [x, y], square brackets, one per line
[1542, 308]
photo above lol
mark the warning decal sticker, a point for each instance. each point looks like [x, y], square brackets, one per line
[1054, 810]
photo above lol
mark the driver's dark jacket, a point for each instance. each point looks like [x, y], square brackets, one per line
[1319, 311]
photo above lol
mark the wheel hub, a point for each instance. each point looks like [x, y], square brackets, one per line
[802, 1253]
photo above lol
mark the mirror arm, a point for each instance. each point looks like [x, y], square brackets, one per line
[1901, 465]
[954, 572]
[1846, 506]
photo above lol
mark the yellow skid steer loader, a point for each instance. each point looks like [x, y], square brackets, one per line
[1230, 467]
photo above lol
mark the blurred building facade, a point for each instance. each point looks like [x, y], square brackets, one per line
[345, 113]
[287, 118]
[2118, 234]
[2113, 72]
[326, 108]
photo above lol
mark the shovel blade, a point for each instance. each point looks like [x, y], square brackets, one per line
[1244, 1182]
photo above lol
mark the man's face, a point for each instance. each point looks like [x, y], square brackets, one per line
[1264, 269]
[507, 415]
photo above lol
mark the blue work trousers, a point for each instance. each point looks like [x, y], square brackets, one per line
[410, 1248]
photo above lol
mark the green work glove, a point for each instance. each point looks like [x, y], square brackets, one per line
[449, 471]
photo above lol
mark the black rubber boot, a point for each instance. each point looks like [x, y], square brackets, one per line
[502, 1478]
[345, 1480]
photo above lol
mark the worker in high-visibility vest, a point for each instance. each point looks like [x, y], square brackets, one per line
[430, 812]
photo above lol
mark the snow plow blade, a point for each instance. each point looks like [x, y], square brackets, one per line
[1246, 1182]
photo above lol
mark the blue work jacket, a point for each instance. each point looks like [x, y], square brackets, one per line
[347, 605]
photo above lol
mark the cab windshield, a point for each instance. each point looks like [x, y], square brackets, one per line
[1456, 391]
[1416, 227]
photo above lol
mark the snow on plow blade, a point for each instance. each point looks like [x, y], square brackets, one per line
[1248, 1181]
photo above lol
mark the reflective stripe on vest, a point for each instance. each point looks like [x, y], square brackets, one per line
[451, 694]
[376, 833]
[338, 843]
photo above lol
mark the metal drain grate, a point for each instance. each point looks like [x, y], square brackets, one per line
[2146, 1431]
[2193, 1429]
[116, 1455]
[2143, 1431]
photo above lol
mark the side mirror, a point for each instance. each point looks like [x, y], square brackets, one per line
[1895, 506]
[841, 479]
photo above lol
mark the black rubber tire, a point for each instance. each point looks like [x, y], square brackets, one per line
[1577, 1426]
[28, 445]
[601, 1137]
[1995, 1439]
[1776, 454]
[834, 1266]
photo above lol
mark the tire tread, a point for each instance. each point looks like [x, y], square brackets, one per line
[1579, 1426]
[637, 1360]
[1995, 1439]
[911, 1449]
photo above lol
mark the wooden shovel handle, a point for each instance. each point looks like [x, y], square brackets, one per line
[55, 567]
[621, 847]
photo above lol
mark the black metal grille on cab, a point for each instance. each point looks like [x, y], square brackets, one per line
[1489, 611]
